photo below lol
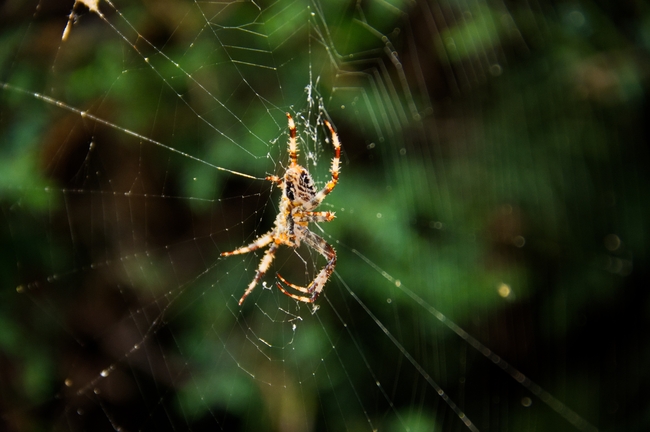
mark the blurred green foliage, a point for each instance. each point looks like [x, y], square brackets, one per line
[494, 166]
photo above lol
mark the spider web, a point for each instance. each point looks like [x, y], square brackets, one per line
[489, 231]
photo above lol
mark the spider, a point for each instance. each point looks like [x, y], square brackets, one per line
[299, 199]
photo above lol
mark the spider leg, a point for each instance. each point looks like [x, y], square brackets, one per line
[329, 187]
[289, 284]
[265, 263]
[293, 296]
[309, 216]
[316, 286]
[260, 242]
[293, 146]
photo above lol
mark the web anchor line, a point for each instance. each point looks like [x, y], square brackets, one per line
[459, 412]
[87, 115]
[94, 7]
[551, 401]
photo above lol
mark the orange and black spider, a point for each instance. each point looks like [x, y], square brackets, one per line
[299, 199]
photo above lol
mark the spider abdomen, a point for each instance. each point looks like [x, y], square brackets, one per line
[299, 187]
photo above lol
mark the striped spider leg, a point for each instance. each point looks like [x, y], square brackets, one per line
[297, 204]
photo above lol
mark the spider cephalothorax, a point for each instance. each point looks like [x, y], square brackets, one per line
[299, 198]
